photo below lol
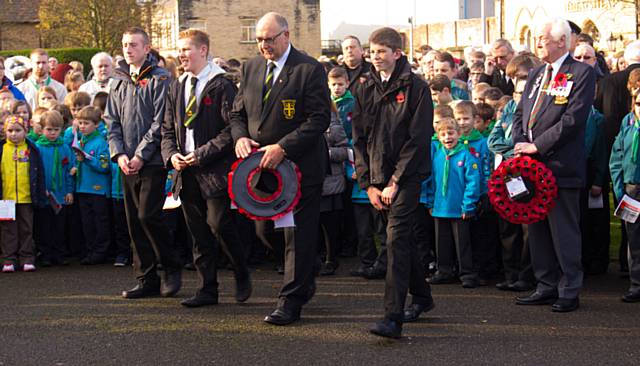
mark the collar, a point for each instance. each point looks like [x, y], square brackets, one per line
[557, 63]
[206, 74]
[283, 59]
[46, 82]
[134, 70]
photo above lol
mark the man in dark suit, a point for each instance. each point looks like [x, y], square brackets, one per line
[495, 66]
[354, 61]
[197, 143]
[549, 124]
[283, 107]
[613, 98]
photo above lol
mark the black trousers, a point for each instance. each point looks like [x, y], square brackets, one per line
[594, 225]
[516, 258]
[425, 235]
[50, 230]
[485, 243]
[555, 245]
[209, 220]
[329, 228]
[143, 200]
[633, 232]
[405, 273]
[94, 210]
[369, 224]
[300, 249]
[348, 231]
[453, 236]
[121, 238]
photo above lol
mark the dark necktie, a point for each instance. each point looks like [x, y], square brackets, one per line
[192, 106]
[385, 83]
[134, 76]
[543, 93]
[268, 83]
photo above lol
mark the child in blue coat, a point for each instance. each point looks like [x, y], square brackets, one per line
[93, 185]
[59, 167]
[452, 195]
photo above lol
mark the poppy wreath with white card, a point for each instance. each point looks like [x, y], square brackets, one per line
[522, 190]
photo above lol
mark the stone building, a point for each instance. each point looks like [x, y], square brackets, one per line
[231, 24]
[18, 24]
[612, 23]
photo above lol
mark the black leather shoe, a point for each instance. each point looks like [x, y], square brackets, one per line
[387, 328]
[412, 313]
[439, 278]
[328, 269]
[282, 316]
[537, 298]
[358, 272]
[199, 300]
[565, 305]
[504, 285]
[374, 273]
[470, 283]
[521, 286]
[280, 269]
[243, 288]
[171, 283]
[631, 296]
[141, 291]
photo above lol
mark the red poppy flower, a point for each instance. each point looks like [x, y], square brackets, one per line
[143, 82]
[207, 101]
[65, 161]
[560, 80]
[400, 97]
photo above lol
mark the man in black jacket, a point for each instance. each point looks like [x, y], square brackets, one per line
[354, 61]
[283, 107]
[197, 143]
[392, 122]
[134, 112]
[495, 66]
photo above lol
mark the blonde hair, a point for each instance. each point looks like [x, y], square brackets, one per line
[447, 123]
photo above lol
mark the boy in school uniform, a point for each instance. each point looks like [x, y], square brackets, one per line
[453, 192]
[93, 185]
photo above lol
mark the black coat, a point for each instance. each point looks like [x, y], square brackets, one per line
[361, 71]
[614, 101]
[211, 134]
[392, 127]
[497, 81]
[295, 116]
[560, 128]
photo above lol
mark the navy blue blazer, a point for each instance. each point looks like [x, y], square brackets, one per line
[559, 131]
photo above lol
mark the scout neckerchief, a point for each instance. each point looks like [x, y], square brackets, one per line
[487, 131]
[192, 108]
[448, 154]
[83, 142]
[32, 135]
[37, 85]
[636, 138]
[56, 175]
[346, 95]
[474, 135]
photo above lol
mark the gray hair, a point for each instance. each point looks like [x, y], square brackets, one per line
[559, 27]
[99, 56]
[632, 53]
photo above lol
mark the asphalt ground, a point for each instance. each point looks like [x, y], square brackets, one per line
[75, 316]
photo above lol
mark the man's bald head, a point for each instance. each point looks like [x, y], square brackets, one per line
[585, 54]
[272, 36]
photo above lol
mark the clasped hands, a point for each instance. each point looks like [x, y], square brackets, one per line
[382, 199]
[273, 154]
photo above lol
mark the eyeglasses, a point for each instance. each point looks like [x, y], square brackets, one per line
[270, 40]
[583, 57]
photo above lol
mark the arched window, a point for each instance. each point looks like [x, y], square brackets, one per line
[526, 37]
[590, 28]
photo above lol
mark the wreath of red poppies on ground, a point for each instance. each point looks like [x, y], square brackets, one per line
[538, 179]
[264, 201]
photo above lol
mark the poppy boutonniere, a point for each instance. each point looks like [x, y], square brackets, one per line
[143, 82]
[207, 101]
[560, 81]
[65, 161]
[400, 97]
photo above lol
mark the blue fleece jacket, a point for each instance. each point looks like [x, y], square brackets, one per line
[64, 182]
[94, 174]
[463, 188]
[480, 149]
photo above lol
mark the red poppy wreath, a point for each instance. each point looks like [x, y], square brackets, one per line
[534, 201]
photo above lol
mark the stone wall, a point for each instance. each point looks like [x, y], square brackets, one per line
[17, 36]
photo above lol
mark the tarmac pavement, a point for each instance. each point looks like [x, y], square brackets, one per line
[76, 316]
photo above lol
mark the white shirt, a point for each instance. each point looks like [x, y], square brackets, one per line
[279, 64]
[92, 87]
[30, 89]
[206, 74]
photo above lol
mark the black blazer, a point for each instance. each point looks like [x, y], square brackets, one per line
[497, 81]
[614, 101]
[295, 116]
[211, 134]
[559, 131]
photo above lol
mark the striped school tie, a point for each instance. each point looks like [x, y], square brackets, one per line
[268, 83]
[543, 93]
[192, 107]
